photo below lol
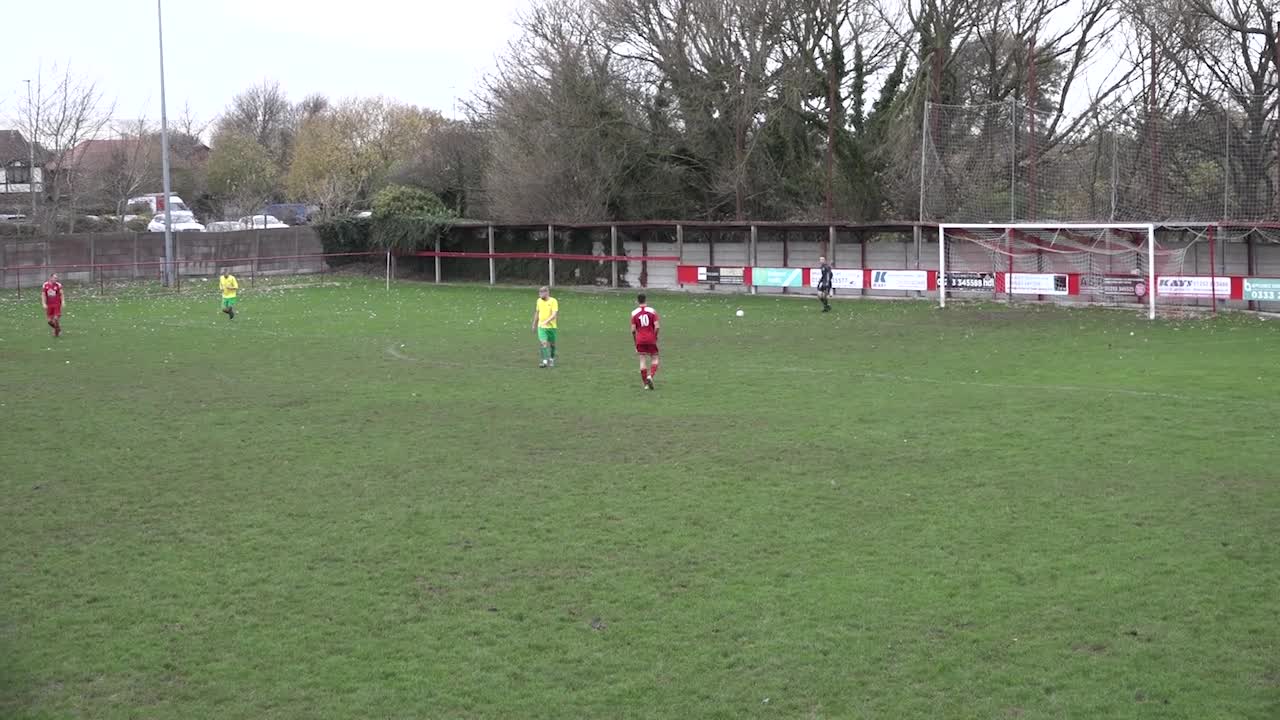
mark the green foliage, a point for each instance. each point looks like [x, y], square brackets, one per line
[861, 154]
[407, 234]
[792, 176]
[241, 171]
[858, 88]
[406, 201]
[346, 152]
[94, 225]
[344, 235]
[408, 218]
[404, 219]
[18, 230]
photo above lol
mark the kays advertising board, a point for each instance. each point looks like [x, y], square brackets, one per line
[1198, 286]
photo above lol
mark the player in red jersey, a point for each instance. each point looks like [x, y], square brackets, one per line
[51, 301]
[644, 329]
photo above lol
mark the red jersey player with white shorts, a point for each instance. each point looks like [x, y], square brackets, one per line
[51, 301]
[644, 328]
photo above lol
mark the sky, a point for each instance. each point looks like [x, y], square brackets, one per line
[424, 52]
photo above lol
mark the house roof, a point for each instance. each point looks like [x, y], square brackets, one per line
[94, 155]
[14, 147]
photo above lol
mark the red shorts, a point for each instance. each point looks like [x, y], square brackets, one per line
[53, 311]
[647, 348]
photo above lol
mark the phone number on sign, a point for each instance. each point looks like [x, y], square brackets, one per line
[1263, 295]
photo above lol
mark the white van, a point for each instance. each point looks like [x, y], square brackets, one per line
[154, 204]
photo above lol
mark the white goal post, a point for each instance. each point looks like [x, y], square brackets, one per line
[1063, 239]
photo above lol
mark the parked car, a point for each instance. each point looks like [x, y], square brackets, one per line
[289, 213]
[260, 222]
[224, 226]
[183, 221]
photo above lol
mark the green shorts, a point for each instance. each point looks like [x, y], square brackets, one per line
[228, 302]
[547, 335]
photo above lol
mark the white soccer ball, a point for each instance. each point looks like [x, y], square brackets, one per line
[739, 313]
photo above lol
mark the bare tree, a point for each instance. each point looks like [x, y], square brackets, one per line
[759, 108]
[264, 113]
[190, 124]
[346, 153]
[449, 160]
[835, 56]
[714, 64]
[845, 41]
[562, 121]
[131, 166]
[65, 112]
[1218, 59]
[311, 106]
[1019, 66]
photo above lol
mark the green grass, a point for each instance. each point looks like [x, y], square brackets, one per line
[349, 503]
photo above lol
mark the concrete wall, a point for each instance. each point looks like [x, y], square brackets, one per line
[103, 257]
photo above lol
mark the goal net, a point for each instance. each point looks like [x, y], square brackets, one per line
[1103, 263]
[1198, 163]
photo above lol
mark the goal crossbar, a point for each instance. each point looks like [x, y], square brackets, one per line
[1147, 229]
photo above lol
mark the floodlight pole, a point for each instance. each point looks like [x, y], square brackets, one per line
[164, 161]
[31, 151]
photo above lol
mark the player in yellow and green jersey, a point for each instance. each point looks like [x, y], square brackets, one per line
[545, 315]
[227, 283]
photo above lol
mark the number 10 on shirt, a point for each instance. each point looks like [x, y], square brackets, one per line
[644, 331]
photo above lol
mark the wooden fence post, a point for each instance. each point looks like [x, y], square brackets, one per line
[613, 252]
[551, 262]
[493, 269]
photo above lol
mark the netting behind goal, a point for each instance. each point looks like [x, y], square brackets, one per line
[1004, 162]
[1070, 263]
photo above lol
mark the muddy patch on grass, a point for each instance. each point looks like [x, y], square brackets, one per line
[427, 588]
[1090, 648]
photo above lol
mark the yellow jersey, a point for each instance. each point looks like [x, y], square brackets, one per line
[546, 310]
[228, 285]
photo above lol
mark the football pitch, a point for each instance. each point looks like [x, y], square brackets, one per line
[357, 503]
